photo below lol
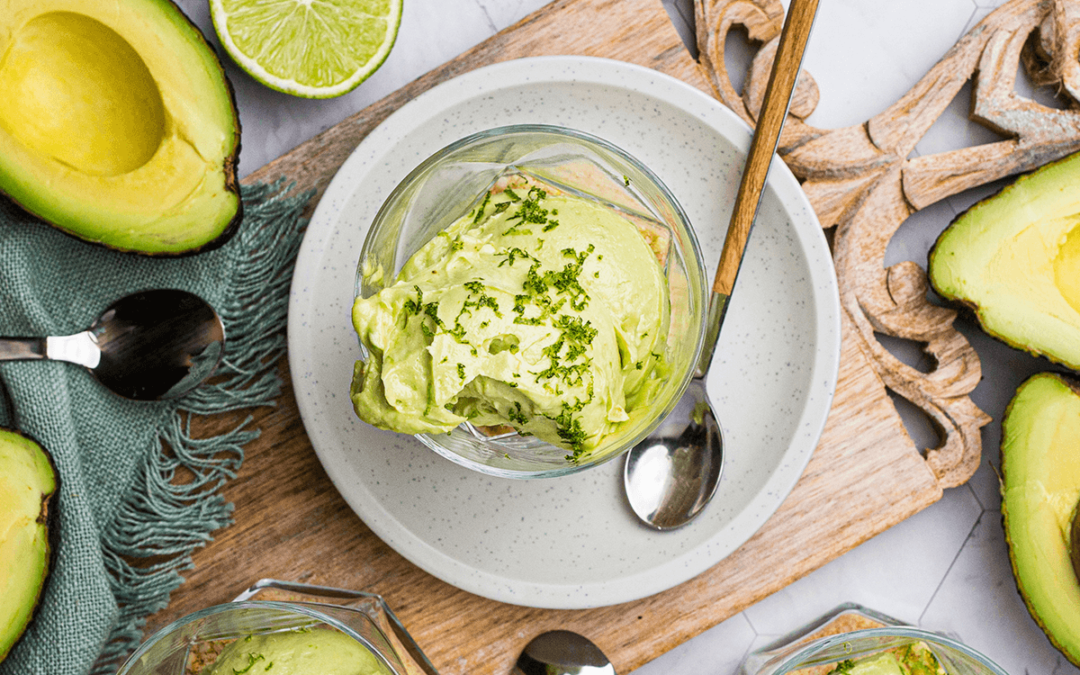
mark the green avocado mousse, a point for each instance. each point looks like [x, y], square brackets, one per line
[299, 652]
[538, 310]
[913, 659]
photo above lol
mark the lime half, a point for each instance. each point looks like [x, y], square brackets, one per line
[309, 48]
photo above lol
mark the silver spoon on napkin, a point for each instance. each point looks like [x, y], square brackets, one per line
[672, 474]
[148, 346]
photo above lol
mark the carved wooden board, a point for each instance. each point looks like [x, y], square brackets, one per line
[865, 476]
[861, 180]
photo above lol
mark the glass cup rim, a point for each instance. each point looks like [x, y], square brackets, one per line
[695, 254]
[309, 610]
[552, 129]
[785, 663]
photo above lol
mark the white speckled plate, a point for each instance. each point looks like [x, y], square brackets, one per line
[572, 542]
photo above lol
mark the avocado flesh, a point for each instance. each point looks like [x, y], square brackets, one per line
[27, 483]
[1040, 464]
[1015, 259]
[117, 124]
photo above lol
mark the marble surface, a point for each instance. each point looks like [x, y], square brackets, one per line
[945, 568]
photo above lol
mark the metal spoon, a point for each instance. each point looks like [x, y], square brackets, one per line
[562, 652]
[147, 346]
[672, 474]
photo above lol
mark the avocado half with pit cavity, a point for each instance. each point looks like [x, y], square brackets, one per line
[1040, 488]
[1014, 258]
[117, 124]
[28, 483]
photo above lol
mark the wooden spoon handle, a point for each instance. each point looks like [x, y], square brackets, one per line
[785, 71]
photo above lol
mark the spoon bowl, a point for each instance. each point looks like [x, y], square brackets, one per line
[672, 476]
[562, 652]
[148, 346]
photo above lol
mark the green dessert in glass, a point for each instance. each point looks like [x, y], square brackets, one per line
[912, 659]
[538, 312]
[297, 652]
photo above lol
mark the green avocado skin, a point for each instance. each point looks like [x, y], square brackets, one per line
[1013, 259]
[28, 484]
[302, 652]
[1040, 486]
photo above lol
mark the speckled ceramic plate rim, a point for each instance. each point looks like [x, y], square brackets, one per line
[539, 71]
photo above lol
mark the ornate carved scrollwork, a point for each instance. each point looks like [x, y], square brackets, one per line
[861, 180]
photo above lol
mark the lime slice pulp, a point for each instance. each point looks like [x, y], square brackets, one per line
[309, 48]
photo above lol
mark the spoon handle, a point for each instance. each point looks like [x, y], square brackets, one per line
[782, 79]
[785, 72]
[80, 349]
[22, 349]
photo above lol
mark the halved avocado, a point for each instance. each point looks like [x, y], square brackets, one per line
[1040, 467]
[28, 482]
[117, 124]
[1014, 258]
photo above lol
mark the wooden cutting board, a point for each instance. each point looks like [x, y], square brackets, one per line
[865, 476]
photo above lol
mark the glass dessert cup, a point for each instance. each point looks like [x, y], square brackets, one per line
[190, 644]
[851, 632]
[453, 181]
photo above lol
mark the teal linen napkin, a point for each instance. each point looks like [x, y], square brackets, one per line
[137, 492]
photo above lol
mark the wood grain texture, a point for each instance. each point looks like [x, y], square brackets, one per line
[860, 180]
[292, 524]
